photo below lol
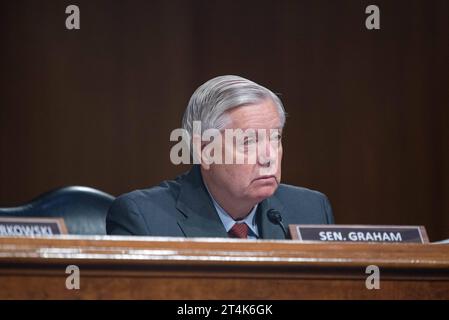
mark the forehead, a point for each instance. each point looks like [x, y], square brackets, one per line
[263, 115]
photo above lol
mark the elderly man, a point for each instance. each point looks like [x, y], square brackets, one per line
[222, 198]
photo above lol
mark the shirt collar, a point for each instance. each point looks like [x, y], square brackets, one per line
[228, 221]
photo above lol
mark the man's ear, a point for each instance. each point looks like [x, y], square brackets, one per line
[198, 157]
[205, 157]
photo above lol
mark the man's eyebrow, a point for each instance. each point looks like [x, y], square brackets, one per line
[253, 128]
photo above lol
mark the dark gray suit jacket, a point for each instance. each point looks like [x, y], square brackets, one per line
[183, 208]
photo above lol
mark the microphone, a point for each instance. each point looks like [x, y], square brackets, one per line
[275, 217]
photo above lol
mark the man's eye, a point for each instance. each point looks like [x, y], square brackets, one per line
[248, 142]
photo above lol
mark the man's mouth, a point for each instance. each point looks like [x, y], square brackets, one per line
[266, 177]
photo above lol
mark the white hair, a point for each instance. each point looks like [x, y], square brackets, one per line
[210, 102]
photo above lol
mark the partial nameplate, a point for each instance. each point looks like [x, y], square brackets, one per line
[31, 227]
[359, 233]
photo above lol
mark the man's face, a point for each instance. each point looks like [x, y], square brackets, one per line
[259, 179]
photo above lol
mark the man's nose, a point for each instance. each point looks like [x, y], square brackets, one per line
[267, 154]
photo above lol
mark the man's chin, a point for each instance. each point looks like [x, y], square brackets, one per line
[264, 193]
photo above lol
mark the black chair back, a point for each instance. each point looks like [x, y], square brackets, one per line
[83, 209]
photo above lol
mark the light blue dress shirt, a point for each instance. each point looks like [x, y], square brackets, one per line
[228, 221]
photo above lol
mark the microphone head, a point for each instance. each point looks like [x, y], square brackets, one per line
[274, 216]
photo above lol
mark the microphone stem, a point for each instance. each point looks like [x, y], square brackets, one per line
[284, 230]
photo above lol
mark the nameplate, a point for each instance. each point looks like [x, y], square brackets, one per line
[359, 233]
[31, 227]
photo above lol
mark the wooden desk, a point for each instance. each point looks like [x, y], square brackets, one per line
[173, 268]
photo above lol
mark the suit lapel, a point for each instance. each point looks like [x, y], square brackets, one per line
[199, 217]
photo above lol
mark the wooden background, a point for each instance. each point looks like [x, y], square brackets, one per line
[368, 110]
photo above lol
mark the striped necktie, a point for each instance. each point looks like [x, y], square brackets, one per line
[239, 230]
